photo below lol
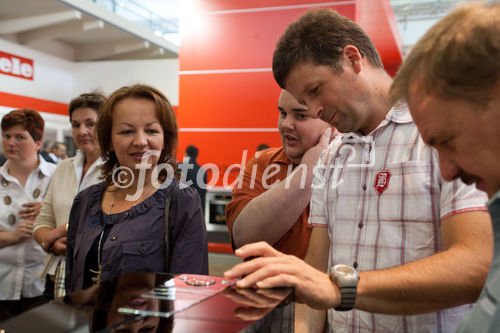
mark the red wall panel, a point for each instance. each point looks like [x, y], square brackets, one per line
[229, 38]
[225, 148]
[228, 100]
[219, 5]
[238, 40]
[377, 18]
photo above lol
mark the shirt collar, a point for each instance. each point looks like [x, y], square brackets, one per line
[78, 159]
[3, 170]
[399, 114]
[282, 158]
[280, 155]
[43, 168]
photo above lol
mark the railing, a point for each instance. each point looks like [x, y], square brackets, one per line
[134, 12]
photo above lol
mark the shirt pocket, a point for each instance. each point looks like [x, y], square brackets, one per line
[409, 192]
[409, 212]
[143, 256]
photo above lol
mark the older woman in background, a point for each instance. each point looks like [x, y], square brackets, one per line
[71, 176]
[120, 226]
[23, 182]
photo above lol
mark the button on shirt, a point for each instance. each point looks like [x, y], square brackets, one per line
[382, 198]
[20, 263]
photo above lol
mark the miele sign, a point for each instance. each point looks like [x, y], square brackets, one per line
[16, 66]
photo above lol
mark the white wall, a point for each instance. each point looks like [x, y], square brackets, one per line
[108, 76]
[53, 77]
[52, 80]
[59, 80]
[411, 31]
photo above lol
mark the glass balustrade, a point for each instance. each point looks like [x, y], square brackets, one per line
[137, 13]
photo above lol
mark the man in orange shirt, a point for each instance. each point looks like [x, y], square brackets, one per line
[272, 202]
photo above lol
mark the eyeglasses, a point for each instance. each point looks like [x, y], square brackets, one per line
[92, 98]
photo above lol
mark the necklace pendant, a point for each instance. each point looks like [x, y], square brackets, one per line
[97, 279]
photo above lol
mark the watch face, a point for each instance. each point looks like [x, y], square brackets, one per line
[344, 270]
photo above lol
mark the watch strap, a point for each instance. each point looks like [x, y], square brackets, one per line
[348, 298]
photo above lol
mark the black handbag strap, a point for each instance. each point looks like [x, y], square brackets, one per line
[167, 244]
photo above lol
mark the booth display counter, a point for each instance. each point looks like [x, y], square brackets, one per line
[145, 302]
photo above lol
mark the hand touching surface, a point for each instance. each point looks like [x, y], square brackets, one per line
[273, 269]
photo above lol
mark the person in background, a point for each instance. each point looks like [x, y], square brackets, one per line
[193, 173]
[45, 151]
[71, 176]
[118, 226]
[380, 209]
[58, 151]
[262, 146]
[278, 214]
[451, 81]
[24, 179]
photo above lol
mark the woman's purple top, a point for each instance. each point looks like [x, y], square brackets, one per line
[134, 239]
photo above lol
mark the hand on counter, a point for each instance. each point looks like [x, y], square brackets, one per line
[272, 269]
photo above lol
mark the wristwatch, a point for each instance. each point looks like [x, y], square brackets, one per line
[346, 279]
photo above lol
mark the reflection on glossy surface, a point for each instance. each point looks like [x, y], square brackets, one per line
[203, 281]
[145, 302]
[130, 293]
[257, 302]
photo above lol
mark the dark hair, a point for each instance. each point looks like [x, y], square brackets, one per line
[164, 113]
[29, 119]
[320, 36]
[192, 152]
[47, 144]
[94, 100]
[262, 147]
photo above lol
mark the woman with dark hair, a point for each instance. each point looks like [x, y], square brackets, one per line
[138, 219]
[71, 176]
[23, 182]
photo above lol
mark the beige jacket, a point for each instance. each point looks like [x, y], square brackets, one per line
[63, 188]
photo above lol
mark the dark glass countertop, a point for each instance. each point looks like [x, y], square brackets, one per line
[145, 302]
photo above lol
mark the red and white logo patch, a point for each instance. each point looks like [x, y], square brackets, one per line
[382, 181]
